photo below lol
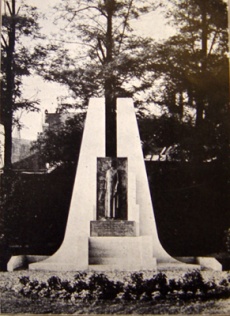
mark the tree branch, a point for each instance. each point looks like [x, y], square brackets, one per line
[213, 42]
[9, 8]
[100, 59]
[101, 49]
[125, 23]
[4, 40]
[91, 7]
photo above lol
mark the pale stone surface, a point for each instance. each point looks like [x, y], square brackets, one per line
[68, 258]
[79, 251]
[177, 266]
[128, 253]
[16, 262]
[22, 261]
[129, 145]
[73, 252]
[35, 258]
[210, 263]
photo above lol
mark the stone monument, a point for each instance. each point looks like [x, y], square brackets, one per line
[111, 221]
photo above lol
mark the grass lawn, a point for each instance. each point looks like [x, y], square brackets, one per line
[14, 303]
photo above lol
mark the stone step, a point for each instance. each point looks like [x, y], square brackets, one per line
[110, 260]
[177, 266]
[116, 267]
[131, 252]
[114, 246]
[109, 264]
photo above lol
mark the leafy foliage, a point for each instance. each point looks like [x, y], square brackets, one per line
[19, 58]
[191, 68]
[98, 287]
[186, 75]
[193, 62]
[205, 143]
[61, 143]
[227, 240]
[112, 60]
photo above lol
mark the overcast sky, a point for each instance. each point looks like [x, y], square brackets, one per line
[34, 87]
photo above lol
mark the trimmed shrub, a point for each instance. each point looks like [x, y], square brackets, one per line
[134, 287]
[100, 287]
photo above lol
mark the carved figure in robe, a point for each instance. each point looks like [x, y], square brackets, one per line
[111, 191]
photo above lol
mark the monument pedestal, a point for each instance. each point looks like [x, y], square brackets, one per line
[121, 253]
[94, 244]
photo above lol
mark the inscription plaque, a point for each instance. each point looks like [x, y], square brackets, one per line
[112, 228]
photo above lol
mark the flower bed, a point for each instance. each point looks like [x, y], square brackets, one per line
[134, 286]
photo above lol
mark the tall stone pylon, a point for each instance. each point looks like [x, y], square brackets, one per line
[130, 244]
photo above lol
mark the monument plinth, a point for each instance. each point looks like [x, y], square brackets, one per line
[111, 221]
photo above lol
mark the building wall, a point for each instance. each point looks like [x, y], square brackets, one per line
[20, 149]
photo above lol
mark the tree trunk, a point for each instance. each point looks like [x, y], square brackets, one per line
[181, 105]
[110, 99]
[201, 97]
[7, 108]
[199, 111]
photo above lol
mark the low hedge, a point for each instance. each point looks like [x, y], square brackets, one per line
[98, 286]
